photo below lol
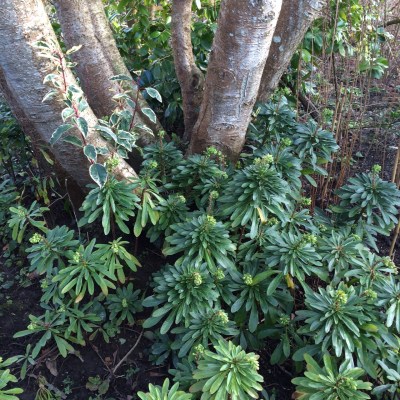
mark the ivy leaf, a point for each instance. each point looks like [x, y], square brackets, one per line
[59, 132]
[90, 152]
[98, 173]
[150, 114]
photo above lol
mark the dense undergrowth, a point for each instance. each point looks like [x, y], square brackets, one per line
[254, 257]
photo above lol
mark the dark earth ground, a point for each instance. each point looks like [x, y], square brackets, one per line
[68, 377]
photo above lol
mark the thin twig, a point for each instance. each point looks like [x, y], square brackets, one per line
[127, 354]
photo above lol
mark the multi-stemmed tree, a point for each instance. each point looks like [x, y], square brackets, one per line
[252, 47]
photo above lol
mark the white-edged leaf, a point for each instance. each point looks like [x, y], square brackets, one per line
[83, 105]
[142, 127]
[82, 125]
[154, 94]
[90, 152]
[121, 77]
[73, 140]
[59, 132]
[50, 95]
[50, 78]
[150, 114]
[107, 131]
[73, 49]
[98, 173]
[47, 157]
[66, 113]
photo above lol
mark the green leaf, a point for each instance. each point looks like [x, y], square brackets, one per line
[154, 94]
[83, 126]
[73, 49]
[98, 173]
[90, 152]
[59, 132]
[121, 77]
[107, 131]
[150, 114]
[73, 140]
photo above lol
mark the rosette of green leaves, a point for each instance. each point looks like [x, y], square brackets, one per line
[52, 327]
[51, 250]
[149, 197]
[252, 249]
[371, 269]
[339, 319]
[161, 349]
[331, 382]
[205, 327]
[178, 291]
[366, 197]
[114, 202]
[6, 377]
[391, 380]
[22, 217]
[340, 251]
[295, 254]
[183, 373]
[228, 373]
[202, 239]
[171, 210]
[256, 293]
[79, 320]
[314, 146]
[288, 165]
[274, 120]
[284, 331]
[223, 281]
[389, 297]
[166, 155]
[164, 393]
[115, 256]
[85, 270]
[256, 190]
[192, 172]
[123, 304]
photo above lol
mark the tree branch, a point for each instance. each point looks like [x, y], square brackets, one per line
[294, 20]
[189, 75]
[394, 21]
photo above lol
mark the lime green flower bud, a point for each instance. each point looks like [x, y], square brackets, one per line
[248, 279]
[197, 278]
[36, 238]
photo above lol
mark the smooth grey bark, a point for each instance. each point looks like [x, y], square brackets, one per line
[22, 71]
[84, 23]
[294, 20]
[190, 77]
[239, 52]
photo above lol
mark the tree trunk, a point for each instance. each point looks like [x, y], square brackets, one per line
[189, 75]
[294, 20]
[237, 59]
[22, 71]
[85, 23]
